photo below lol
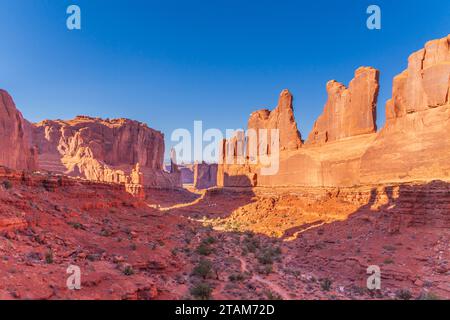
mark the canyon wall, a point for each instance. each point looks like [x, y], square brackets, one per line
[344, 148]
[205, 175]
[116, 151]
[16, 150]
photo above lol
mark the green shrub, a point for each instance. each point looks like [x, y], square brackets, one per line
[201, 291]
[325, 284]
[403, 294]
[235, 277]
[128, 271]
[204, 249]
[49, 257]
[203, 269]
[7, 184]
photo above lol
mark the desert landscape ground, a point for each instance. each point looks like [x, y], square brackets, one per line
[94, 193]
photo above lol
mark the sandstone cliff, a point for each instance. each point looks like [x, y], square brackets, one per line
[15, 136]
[349, 111]
[282, 118]
[344, 148]
[117, 151]
[205, 175]
[415, 142]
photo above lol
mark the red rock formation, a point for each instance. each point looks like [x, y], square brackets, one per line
[205, 175]
[282, 118]
[415, 143]
[349, 111]
[15, 148]
[119, 151]
[344, 149]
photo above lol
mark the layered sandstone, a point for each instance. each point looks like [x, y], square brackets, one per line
[281, 118]
[205, 175]
[118, 151]
[349, 111]
[415, 142]
[344, 148]
[15, 136]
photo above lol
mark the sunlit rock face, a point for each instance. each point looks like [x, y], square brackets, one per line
[415, 142]
[344, 148]
[117, 151]
[15, 136]
[349, 111]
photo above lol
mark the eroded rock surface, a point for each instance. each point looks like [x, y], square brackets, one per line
[16, 150]
[349, 111]
[118, 151]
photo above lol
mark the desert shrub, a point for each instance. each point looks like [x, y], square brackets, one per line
[128, 271]
[209, 240]
[7, 184]
[76, 225]
[203, 269]
[388, 261]
[266, 269]
[49, 257]
[325, 284]
[251, 244]
[201, 291]
[268, 255]
[428, 296]
[235, 277]
[403, 294]
[272, 295]
[204, 249]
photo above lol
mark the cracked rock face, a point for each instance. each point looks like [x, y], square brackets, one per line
[349, 111]
[15, 136]
[426, 82]
[282, 118]
[119, 150]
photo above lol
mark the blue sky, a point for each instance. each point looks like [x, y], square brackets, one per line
[168, 63]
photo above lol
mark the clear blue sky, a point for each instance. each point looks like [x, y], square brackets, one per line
[168, 63]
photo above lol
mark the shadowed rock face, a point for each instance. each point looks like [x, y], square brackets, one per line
[205, 175]
[15, 136]
[349, 111]
[119, 151]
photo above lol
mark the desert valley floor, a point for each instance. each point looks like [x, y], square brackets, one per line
[301, 243]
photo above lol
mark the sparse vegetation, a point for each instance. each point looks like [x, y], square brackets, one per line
[428, 296]
[325, 284]
[403, 294]
[128, 271]
[236, 277]
[201, 291]
[388, 261]
[203, 269]
[7, 184]
[204, 249]
[272, 295]
[49, 257]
